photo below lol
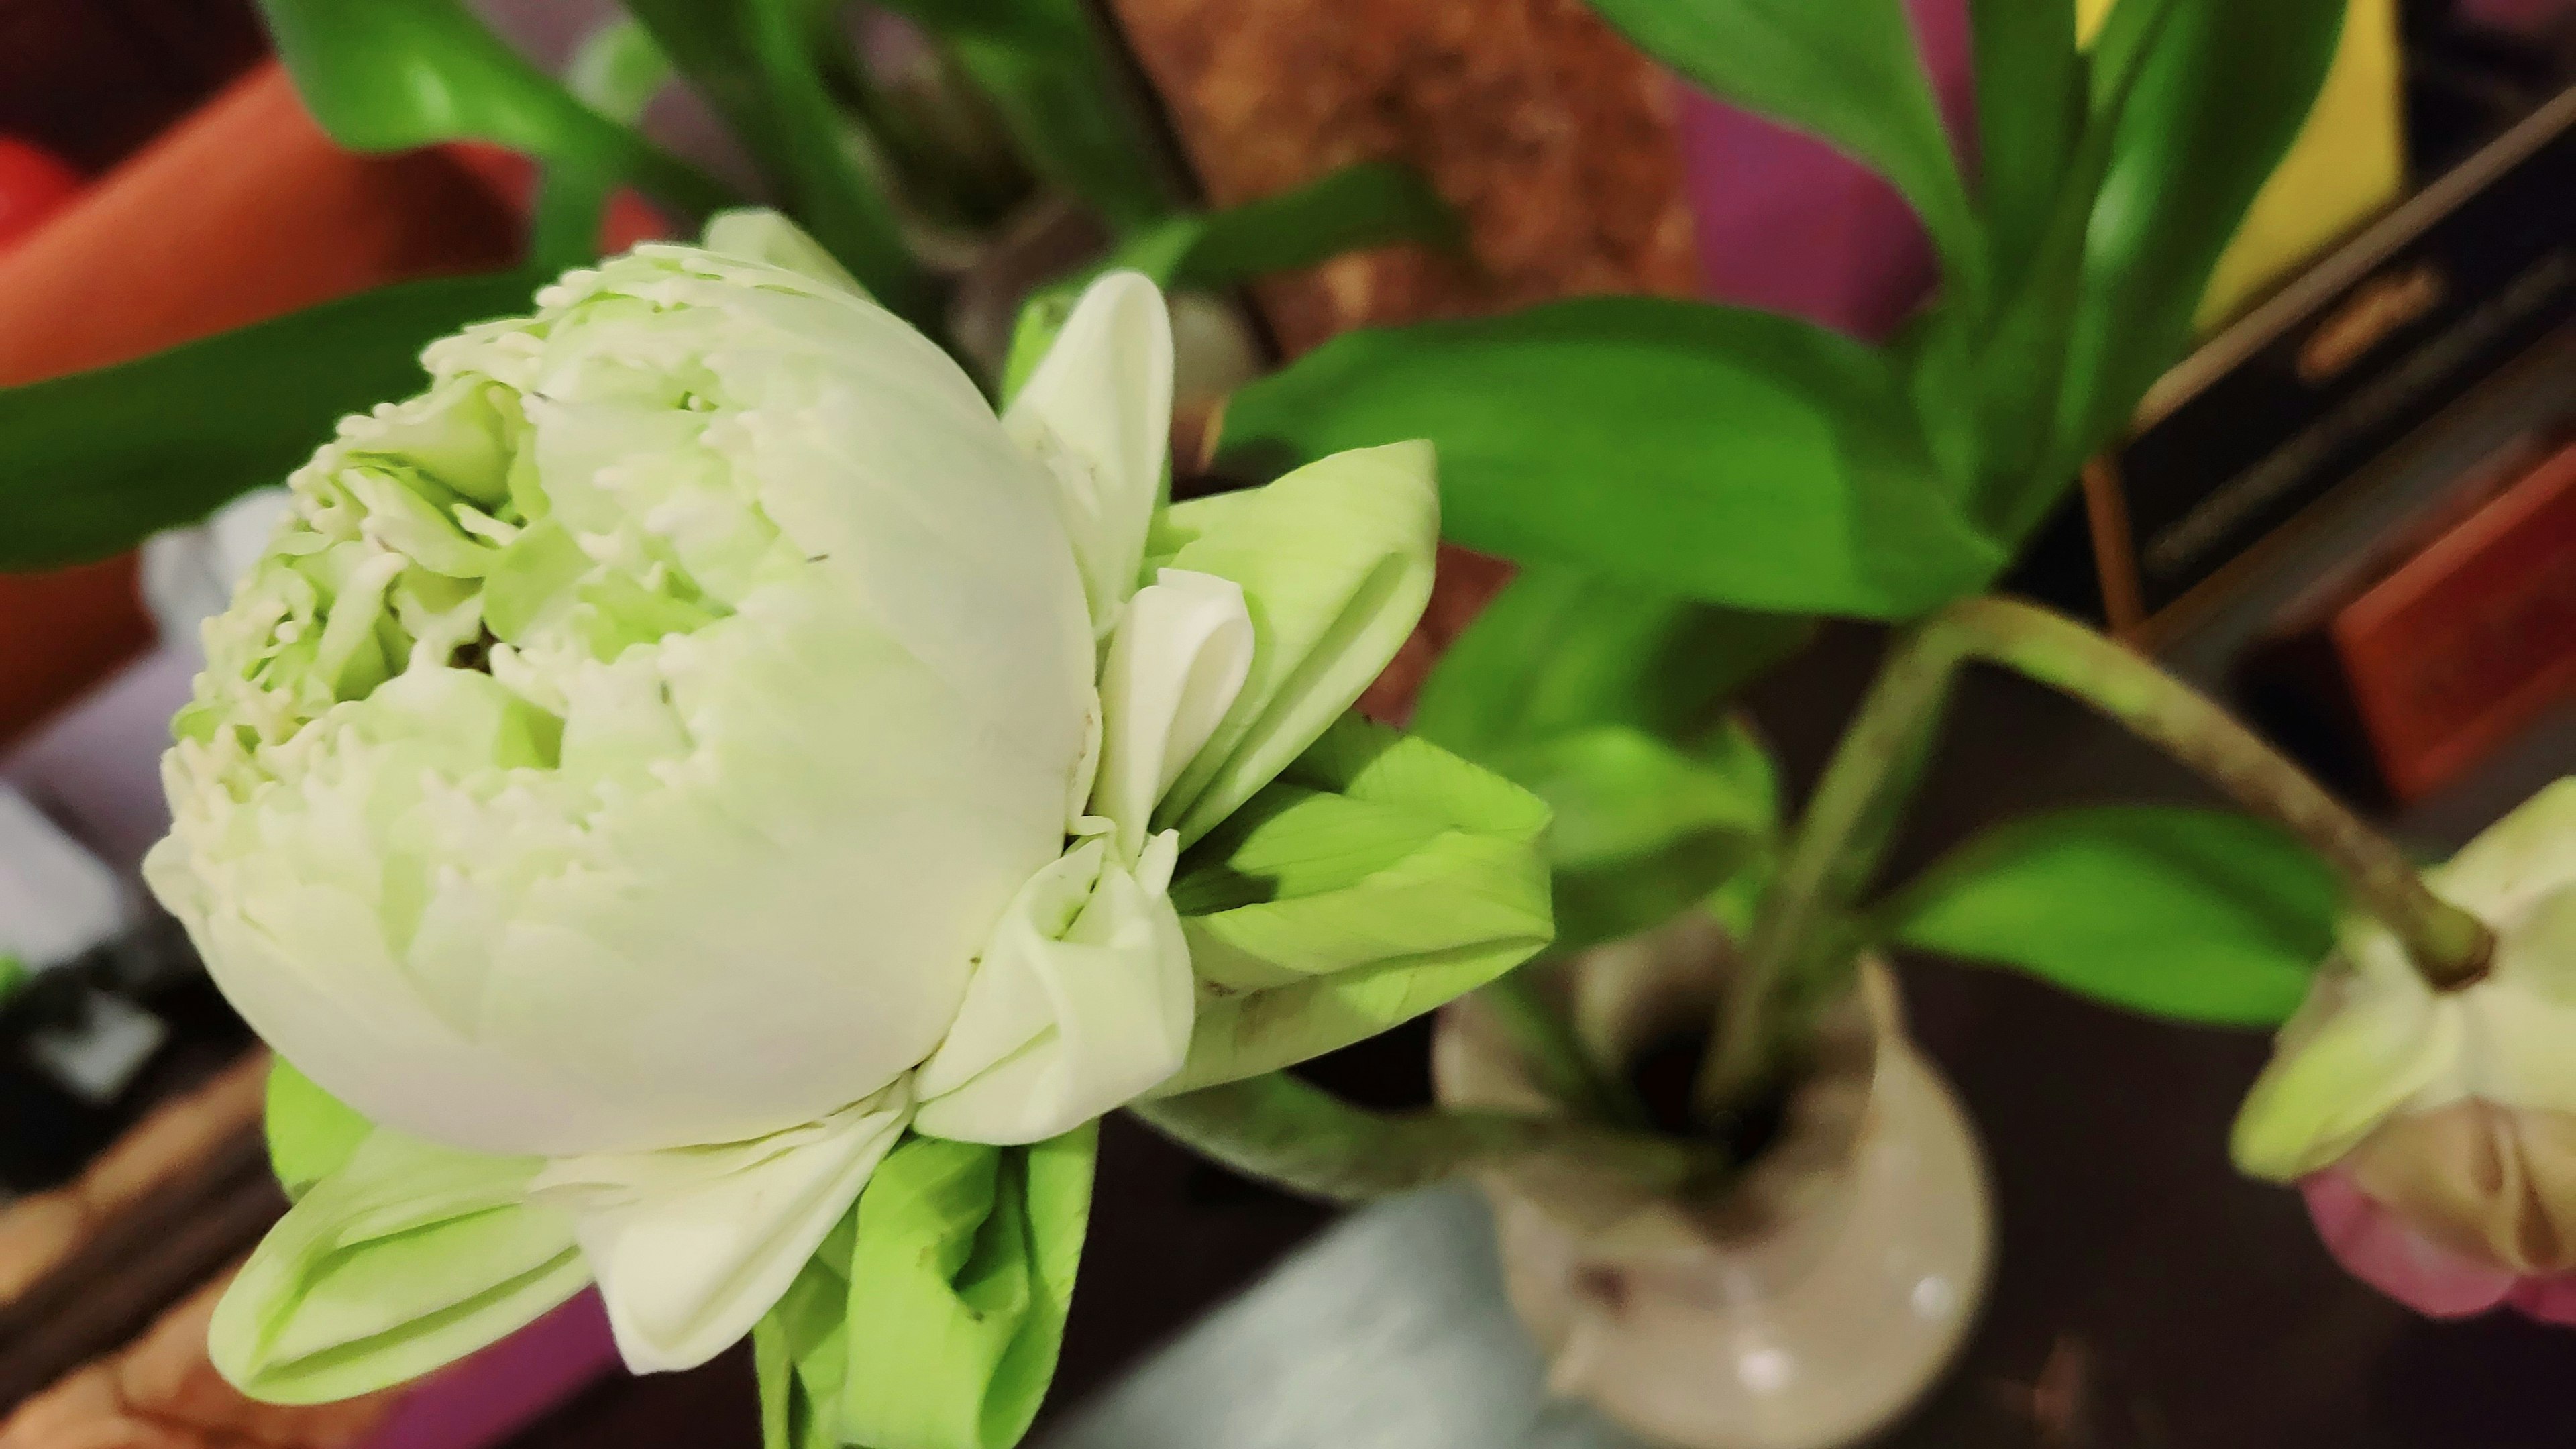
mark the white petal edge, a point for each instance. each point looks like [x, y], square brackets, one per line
[1179, 658]
[693, 1244]
[1097, 410]
[1083, 1002]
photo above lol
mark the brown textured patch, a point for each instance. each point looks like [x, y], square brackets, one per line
[1552, 136]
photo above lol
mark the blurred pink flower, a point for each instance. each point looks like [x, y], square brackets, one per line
[2376, 1246]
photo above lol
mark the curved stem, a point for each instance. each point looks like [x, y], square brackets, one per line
[1556, 1058]
[1285, 1131]
[1803, 933]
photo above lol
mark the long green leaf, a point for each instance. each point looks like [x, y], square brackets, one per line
[1052, 77]
[390, 75]
[2030, 113]
[1843, 70]
[756, 62]
[2221, 90]
[92, 463]
[2190, 914]
[2020, 398]
[1730, 456]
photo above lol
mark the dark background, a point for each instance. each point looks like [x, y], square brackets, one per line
[2146, 1296]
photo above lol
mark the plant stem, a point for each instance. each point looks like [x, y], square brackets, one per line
[1556, 1057]
[1802, 938]
[1285, 1131]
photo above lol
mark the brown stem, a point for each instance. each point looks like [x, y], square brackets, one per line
[1803, 938]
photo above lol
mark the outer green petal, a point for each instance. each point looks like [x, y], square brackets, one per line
[311, 1134]
[800, 1349]
[2330, 1085]
[1379, 877]
[932, 1320]
[408, 1257]
[1335, 564]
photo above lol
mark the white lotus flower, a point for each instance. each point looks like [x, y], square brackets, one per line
[696, 739]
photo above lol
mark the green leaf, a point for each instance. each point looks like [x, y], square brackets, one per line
[2195, 915]
[1378, 877]
[2020, 400]
[2220, 92]
[1558, 650]
[311, 1134]
[390, 75]
[756, 63]
[1844, 71]
[405, 1258]
[617, 71]
[1642, 829]
[931, 1318]
[1056, 83]
[1729, 456]
[1335, 565]
[2030, 112]
[92, 463]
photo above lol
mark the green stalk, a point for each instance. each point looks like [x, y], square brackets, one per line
[1556, 1057]
[1804, 937]
[1285, 1131]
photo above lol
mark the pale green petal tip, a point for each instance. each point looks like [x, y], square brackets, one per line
[2322, 1095]
[757, 234]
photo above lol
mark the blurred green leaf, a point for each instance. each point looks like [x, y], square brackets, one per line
[92, 463]
[1051, 75]
[2019, 397]
[1730, 456]
[390, 75]
[2195, 915]
[1845, 71]
[757, 63]
[2220, 91]
[1642, 829]
[1558, 650]
[2030, 113]
[617, 70]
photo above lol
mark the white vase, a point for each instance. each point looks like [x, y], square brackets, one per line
[1807, 1304]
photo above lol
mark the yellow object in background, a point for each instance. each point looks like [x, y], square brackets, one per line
[2348, 162]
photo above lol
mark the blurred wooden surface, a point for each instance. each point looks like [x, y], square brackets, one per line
[244, 211]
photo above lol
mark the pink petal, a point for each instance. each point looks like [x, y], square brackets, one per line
[2374, 1246]
[2551, 1299]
